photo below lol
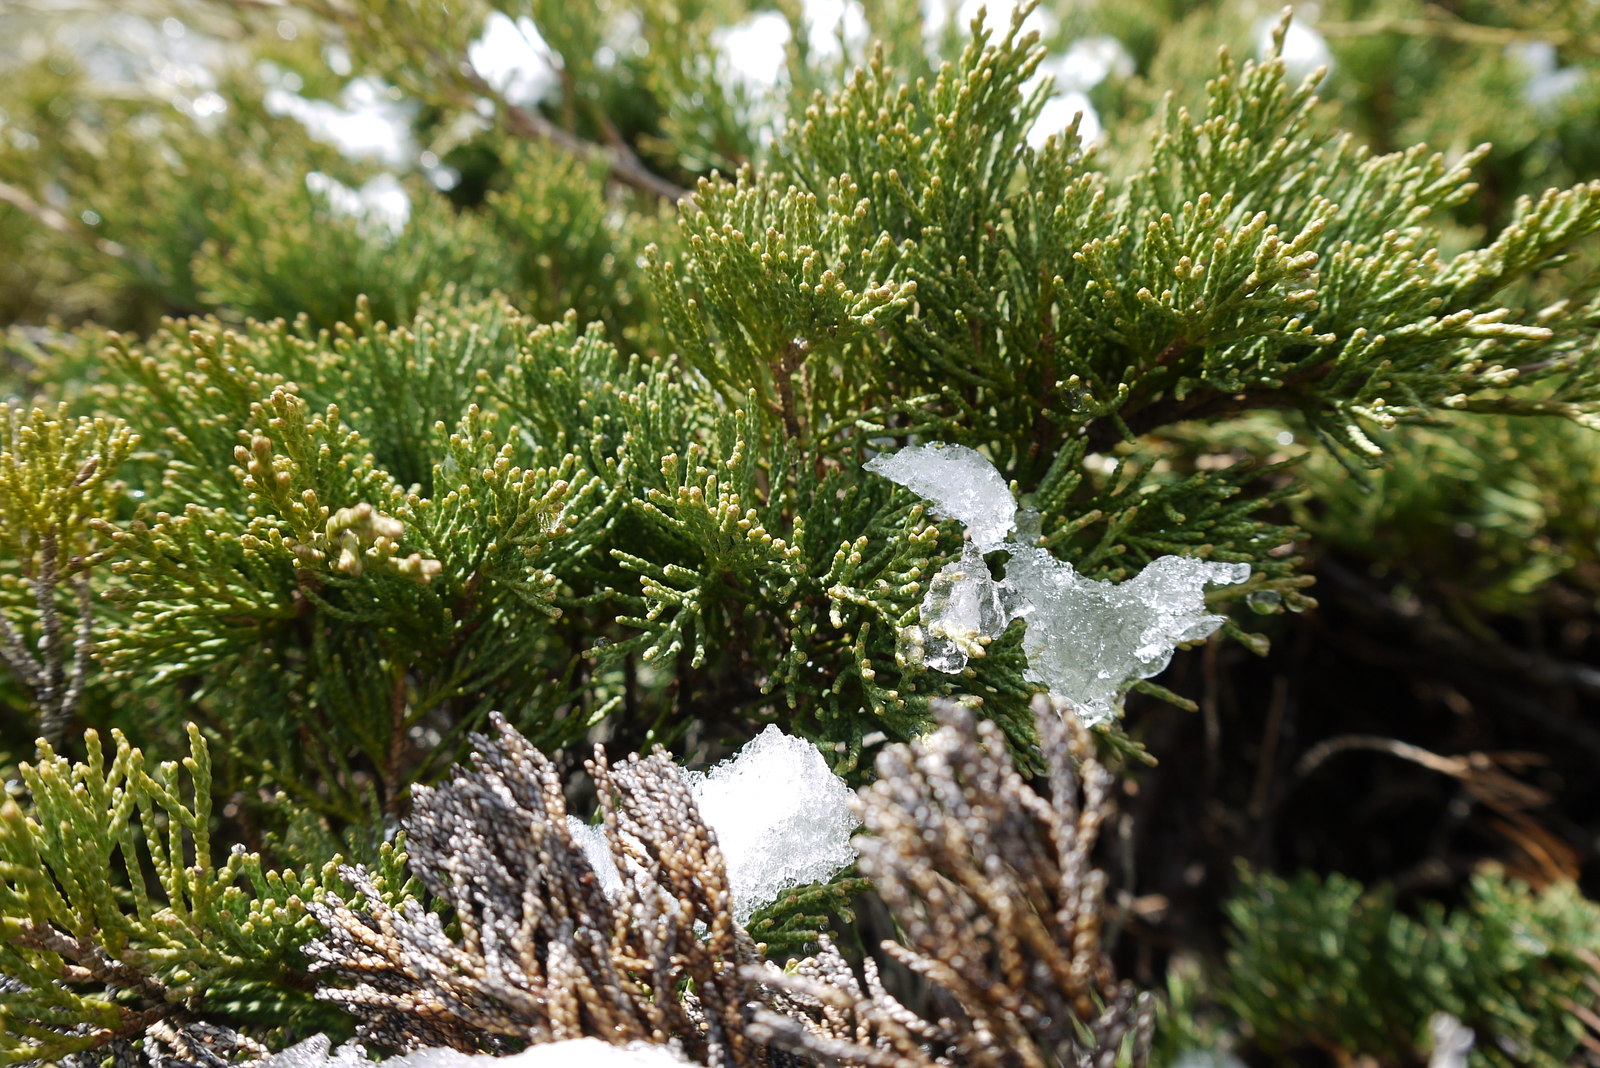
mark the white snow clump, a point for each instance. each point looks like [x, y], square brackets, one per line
[960, 484]
[573, 1053]
[1085, 639]
[781, 816]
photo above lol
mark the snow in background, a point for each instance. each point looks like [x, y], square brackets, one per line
[371, 120]
[1304, 49]
[1548, 81]
[513, 57]
[380, 207]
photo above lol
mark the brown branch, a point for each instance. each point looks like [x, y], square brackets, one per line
[1442, 23]
[90, 960]
[788, 362]
[625, 165]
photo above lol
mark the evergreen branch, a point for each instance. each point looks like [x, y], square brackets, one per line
[97, 950]
[1442, 23]
[55, 488]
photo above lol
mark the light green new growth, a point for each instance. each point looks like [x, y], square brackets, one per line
[114, 912]
[55, 483]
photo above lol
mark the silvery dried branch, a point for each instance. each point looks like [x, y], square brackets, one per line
[994, 890]
[544, 954]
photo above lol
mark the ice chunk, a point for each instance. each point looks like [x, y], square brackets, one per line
[961, 611]
[573, 1053]
[960, 483]
[593, 841]
[781, 817]
[1087, 639]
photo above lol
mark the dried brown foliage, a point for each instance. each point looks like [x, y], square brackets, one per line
[999, 905]
[543, 953]
[991, 882]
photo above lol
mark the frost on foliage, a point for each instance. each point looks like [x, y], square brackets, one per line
[959, 483]
[781, 816]
[1085, 639]
[314, 1052]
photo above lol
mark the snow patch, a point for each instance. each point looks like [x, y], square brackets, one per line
[314, 1052]
[781, 817]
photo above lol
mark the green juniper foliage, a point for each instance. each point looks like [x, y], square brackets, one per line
[1506, 962]
[307, 466]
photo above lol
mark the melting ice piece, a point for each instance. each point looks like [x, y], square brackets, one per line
[960, 483]
[781, 817]
[574, 1053]
[963, 606]
[1086, 639]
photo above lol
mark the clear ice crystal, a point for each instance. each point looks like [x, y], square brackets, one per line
[960, 484]
[1085, 640]
[961, 611]
[314, 1052]
[781, 816]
